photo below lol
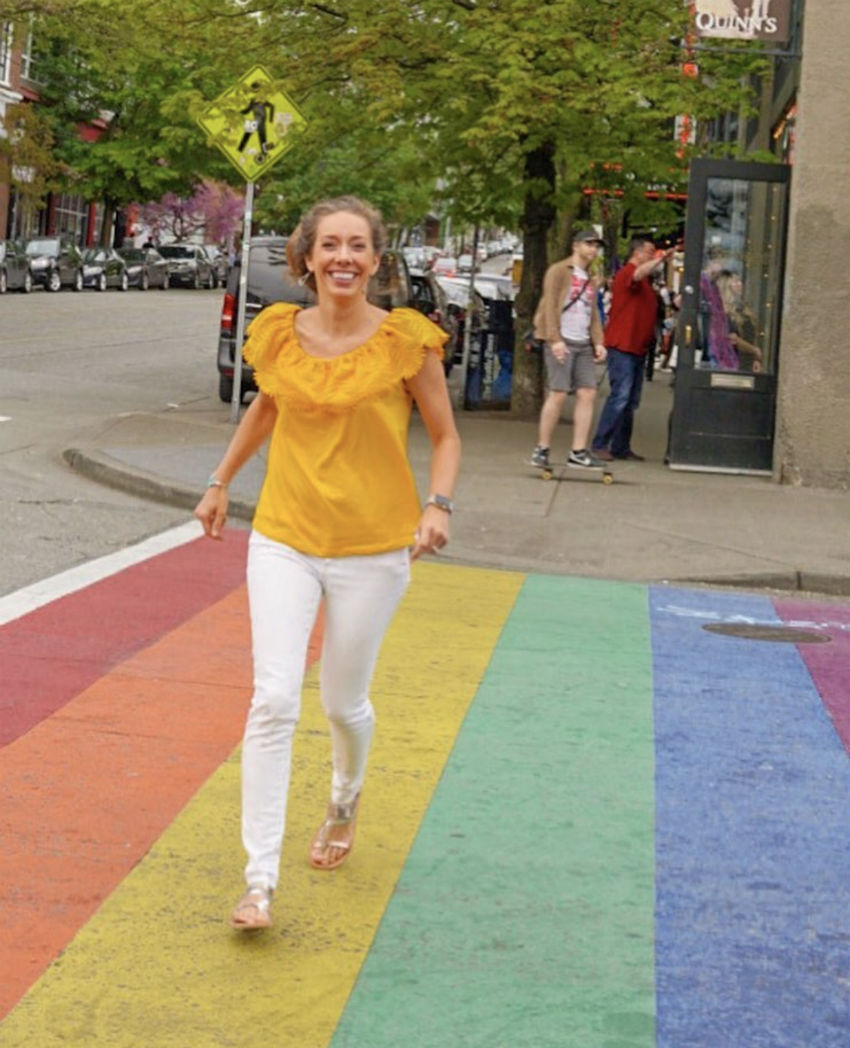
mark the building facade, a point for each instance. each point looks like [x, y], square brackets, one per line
[812, 443]
[803, 119]
[63, 212]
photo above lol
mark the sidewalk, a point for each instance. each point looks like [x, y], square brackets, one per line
[653, 524]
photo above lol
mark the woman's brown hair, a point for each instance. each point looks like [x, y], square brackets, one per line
[303, 238]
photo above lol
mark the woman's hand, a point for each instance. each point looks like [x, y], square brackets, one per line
[432, 533]
[600, 353]
[211, 511]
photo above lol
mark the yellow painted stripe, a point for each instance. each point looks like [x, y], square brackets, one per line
[157, 965]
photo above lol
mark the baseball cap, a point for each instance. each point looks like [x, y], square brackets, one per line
[588, 236]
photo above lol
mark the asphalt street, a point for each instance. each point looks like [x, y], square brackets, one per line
[68, 364]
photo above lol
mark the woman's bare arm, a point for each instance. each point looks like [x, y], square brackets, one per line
[251, 433]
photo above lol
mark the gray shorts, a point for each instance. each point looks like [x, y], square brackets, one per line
[578, 371]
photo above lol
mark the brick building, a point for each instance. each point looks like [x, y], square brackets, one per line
[63, 212]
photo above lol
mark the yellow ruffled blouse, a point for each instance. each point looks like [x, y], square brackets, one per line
[338, 481]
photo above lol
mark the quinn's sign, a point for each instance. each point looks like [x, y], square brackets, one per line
[743, 19]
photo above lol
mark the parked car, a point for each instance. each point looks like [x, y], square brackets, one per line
[190, 265]
[415, 257]
[464, 263]
[219, 262]
[269, 281]
[55, 262]
[457, 297]
[430, 298]
[103, 267]
[445, 266]
[15, 272]
[145, 267]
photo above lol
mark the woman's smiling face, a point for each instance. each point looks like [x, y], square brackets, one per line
[343, 257]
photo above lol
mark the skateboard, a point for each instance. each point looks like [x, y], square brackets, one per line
[546, 472]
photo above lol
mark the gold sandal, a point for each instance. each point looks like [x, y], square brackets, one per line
[253, 911]
[323, 841]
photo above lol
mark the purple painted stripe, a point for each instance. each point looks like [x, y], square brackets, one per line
[828, 664]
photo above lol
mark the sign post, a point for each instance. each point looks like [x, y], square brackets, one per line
[247, 219]
[252, 124]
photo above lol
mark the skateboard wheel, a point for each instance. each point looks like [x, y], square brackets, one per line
[607, 478]
[547, 474]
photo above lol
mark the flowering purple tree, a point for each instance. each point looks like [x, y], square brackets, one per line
[222, 209]
[214, 208]
[172, 217]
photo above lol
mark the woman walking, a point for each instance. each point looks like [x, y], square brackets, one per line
[338, 518]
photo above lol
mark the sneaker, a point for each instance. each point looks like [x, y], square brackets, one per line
[540, 457]
[604, 454]
[585, 459]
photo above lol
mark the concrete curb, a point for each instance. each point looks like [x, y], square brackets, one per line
[106, 470]
[100, 467]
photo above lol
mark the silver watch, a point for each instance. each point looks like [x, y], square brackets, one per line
[441, 502]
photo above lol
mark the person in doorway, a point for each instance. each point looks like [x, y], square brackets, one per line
[718, 348]
[629, 333]
[338, 518]
[567, 321]
[742, 323]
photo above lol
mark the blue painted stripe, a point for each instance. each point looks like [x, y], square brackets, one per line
[752, 843]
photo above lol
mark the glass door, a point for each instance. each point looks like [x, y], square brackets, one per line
[725, 386]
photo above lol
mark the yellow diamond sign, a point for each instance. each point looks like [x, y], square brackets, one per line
[252, 123]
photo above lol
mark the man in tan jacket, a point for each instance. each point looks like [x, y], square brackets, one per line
[567, 320]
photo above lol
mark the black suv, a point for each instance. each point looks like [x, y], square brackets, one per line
[269, 281]
[55, 262]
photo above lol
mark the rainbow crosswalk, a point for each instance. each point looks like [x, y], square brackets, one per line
[587, 822]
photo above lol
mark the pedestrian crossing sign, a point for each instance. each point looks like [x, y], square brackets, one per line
[252, 123]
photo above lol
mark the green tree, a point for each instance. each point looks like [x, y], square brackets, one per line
[517, 104]
[504, 111]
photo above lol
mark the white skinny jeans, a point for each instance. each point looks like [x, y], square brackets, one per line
[285, 588]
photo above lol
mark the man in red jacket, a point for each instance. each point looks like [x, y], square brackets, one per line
[628, 335]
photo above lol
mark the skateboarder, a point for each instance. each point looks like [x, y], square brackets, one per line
[567, 320]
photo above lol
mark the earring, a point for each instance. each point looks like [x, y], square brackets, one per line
[302, 280]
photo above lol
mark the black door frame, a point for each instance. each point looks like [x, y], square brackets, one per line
[722, 421]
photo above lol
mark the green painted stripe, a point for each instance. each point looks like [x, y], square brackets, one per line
[524, 915]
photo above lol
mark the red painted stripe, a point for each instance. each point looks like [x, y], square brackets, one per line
[53, 653]
[92, 787]
[828, 664]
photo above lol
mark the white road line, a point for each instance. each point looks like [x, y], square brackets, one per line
[25, 600]
[749, 620]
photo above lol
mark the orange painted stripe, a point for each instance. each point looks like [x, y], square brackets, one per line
[89, 790]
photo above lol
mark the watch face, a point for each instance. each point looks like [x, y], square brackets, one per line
[442, 502]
